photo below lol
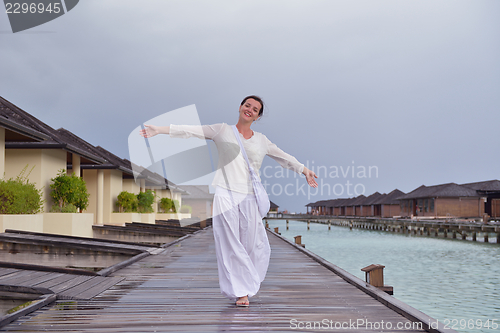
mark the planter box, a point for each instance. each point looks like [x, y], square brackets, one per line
[25, 222]
[70, 224]
[122, 218]
[172, 216]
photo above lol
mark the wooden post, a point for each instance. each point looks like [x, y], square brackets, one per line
[498, 238]
[298, 240]
[374, 275]
[308, 221]
[474, 236]
[486, 239]
[464, 235]
[286, 224]
[276, 230]
[445, 233]
[454, 235]
[267, 225]
[329, 225]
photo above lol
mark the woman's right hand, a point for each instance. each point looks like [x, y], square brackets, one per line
[150, 131]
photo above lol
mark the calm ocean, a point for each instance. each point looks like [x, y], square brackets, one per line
[454, 281]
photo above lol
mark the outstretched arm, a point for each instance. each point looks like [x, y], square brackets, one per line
[290, 162]
[152, 130]
[310, 175]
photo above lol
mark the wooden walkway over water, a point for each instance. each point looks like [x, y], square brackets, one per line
[65, 286]
[177, 290]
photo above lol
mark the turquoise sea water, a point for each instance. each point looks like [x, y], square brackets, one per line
[454, 281]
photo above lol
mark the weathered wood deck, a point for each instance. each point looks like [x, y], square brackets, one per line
[65, 286]
[177, 291]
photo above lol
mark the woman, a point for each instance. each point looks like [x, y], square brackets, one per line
[241, 242]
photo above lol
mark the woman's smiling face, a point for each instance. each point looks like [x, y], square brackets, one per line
[250, 110]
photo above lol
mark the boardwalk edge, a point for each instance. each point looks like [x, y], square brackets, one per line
[37, 304]
[389, 301]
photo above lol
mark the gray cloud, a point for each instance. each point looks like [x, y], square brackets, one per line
[409, 86]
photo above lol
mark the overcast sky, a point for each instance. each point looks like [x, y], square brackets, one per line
[410, 88]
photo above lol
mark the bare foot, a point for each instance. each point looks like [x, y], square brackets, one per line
[243, 301]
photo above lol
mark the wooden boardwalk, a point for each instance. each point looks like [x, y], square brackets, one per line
[177, 291]
[65, 286]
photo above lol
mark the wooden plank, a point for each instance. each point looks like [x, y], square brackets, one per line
[96, 240]
[28, 277]
[55, 281]
[6, 271]
[73, 243]
[178, 291]
[81, 287]
[95, 289]
[43, 278]
[21, 266]
[11, 278]
[75, 280]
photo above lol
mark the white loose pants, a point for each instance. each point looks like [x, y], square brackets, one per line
[241, 243]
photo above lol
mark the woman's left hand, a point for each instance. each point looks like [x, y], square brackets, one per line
[310, 175]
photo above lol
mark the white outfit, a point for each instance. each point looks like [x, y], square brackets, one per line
[241, 242]
[231, 161]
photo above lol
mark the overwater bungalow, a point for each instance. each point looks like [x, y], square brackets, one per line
[490, 190]
[367, 206]
[387, 205]
[353, 207]
[451, 200]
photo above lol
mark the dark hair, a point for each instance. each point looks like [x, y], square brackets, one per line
[258, 99]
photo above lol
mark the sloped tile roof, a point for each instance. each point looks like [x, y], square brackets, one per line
[490, 185]
[390, 198]
[442, 190]
[19, 120]
[20, 117]
[273, 205]
[319, 203]
[371, 199]
[50, 138]
[358, 202]
[341, 202]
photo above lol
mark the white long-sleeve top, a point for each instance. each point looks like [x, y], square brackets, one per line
[232, 170]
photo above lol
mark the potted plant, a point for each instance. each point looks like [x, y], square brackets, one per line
[127, 202]
[145, 201]
[69, 193]
[19, 196]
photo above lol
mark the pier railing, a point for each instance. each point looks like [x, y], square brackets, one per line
[464, 231]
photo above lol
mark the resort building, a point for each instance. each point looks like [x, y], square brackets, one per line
[387, 205]
[199, 199]
[26, 143]
[368, 207]
[470, 200]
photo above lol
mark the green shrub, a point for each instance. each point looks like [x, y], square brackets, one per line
[145, 201]
[69, 208]
[69, 190]
[186, 209]
[167, 205]
[19, 196]
[127, 202]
